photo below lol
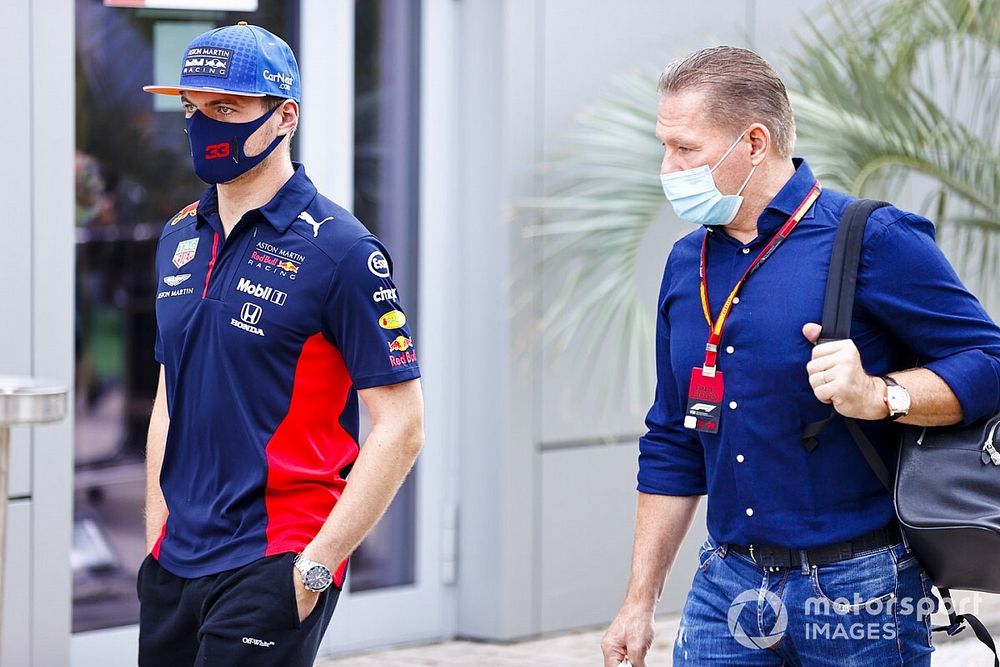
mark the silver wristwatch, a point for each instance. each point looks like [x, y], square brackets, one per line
[316, 577]
[897, 398]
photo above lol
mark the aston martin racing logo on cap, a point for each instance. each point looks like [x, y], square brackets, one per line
[207, 61]
[185, 252]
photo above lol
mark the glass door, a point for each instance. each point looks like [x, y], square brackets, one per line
[397, 584]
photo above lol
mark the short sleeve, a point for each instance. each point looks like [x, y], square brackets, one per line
[158, 345]
[364, 318]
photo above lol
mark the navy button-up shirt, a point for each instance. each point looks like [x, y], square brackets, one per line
[762, 485]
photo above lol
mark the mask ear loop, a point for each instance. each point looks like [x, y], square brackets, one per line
[749, 176]
[726, 154]
[240, 151]
[731, 149]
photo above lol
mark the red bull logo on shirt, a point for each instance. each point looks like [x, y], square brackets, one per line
[188, 211]
[400, 344]
[404, 346]
[281, 262]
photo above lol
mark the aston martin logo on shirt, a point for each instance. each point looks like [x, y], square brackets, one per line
[174, 281]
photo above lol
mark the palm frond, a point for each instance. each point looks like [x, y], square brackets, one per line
[902, 98]
[601, 194]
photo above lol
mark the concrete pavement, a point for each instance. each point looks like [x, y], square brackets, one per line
[582, 648]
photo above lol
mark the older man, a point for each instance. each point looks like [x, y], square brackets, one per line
[804, 563]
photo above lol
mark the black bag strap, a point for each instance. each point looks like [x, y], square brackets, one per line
[838, 308]
[955, 621]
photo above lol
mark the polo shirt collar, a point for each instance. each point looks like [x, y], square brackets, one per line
[293, 198]
[788, 199]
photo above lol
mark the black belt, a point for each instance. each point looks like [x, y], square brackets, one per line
[768, 556]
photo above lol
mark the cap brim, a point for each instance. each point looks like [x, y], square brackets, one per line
[177, 90]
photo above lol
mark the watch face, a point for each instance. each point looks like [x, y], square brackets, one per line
[898, 400]
[317, 578]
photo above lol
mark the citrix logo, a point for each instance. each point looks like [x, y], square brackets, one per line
[384, 294]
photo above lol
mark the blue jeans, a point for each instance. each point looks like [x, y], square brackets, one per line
[870, 610]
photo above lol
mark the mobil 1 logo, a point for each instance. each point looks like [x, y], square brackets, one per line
[247, 286]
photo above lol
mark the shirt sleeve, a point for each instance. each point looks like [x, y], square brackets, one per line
[908, 285]
[364, 318]
[671, 457]
[158, 345]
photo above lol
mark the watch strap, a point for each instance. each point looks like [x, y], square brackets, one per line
[303, 565]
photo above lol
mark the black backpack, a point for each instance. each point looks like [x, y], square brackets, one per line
[946, 486]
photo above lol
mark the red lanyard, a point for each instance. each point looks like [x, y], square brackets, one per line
[715, 329]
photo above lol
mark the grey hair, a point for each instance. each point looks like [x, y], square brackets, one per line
[740, 88]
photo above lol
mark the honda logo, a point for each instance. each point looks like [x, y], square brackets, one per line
[251, 313]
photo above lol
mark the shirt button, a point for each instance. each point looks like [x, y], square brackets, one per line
[746, 251]
[730, 349]
[739, 458]
[749, 511]
[736, 299]
[732, 405]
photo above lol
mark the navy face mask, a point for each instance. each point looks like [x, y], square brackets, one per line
[217, 147]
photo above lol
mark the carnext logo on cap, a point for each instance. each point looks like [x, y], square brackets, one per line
[207, 61]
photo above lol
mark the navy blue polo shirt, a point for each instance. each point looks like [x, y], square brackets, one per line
[265, 338]
[762, 485]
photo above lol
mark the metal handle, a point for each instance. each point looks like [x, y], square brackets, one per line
[23, 400]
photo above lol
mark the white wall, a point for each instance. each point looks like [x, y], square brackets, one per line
[36, 337]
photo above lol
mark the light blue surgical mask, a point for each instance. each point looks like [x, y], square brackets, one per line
[694, 196]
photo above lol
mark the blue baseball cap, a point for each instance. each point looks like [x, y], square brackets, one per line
[241, 59]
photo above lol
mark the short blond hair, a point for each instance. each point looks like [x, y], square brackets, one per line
[740, 88]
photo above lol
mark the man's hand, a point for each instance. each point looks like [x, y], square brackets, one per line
[630, 635]
[838, 378]
[305, 599]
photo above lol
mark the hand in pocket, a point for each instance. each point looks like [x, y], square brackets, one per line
[305, 600]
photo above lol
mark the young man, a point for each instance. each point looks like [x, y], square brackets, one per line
[275, 311]
[740, 375]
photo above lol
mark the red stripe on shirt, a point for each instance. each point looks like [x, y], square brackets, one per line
[308, 450]
[211, 263]
[159, 541]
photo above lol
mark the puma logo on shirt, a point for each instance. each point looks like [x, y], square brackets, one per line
[315, 225]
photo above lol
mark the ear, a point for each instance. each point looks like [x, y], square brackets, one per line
[760, 142]
[288, 115]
